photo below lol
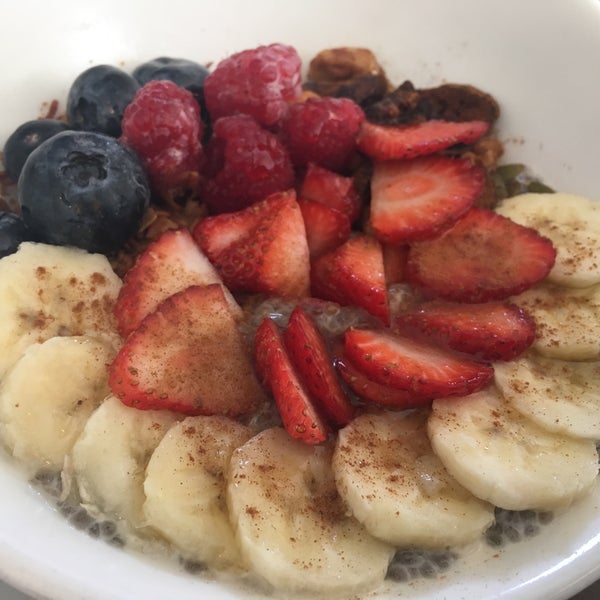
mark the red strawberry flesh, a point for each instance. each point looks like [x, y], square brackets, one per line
[353, 275]
[298, 414]
[187, 356]
[385, 142]
[326, 228]
[309, 354]
[490, 331]
[411, 364]
[376, 393]
[332, 189]
[169, 265]
[484, 256]
[266, 250]
[418, 199]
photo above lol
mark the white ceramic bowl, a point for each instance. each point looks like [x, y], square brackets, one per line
[539, 58]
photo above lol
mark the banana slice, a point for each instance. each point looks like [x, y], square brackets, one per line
[110, 457]
[292, 526]
[505, 458]
[560, 396]
[48, 396]
[573, 225]
[398, 489]
[48, 291]
[185, 488]
[567, 320]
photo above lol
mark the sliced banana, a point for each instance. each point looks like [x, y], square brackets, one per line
[48, 291]
[560, 396]
[109, 459]
[292, 526]
[505, 458]
[48, 396]
[567, 320]
[398, 489]
[573, 225]
[185, 488]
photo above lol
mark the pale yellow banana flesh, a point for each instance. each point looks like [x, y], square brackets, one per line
[398, 488]
[507, 459]
[185, 488]
[291, 525]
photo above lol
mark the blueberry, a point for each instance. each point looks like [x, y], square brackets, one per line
[185, 73]
[98, 98]
[26, 138]
[83, 189]
[12, 233]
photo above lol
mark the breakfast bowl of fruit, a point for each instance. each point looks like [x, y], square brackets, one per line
[300, 301]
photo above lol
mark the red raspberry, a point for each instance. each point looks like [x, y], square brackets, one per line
[244, 164]
[322, 131]
[163, 125]
[257, 82]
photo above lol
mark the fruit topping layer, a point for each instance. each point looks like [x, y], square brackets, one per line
[309, 332]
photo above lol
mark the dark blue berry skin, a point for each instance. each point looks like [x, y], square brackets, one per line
[83, 189]
[98, 97]
[24, 140]
[12, 233]
[185, 73]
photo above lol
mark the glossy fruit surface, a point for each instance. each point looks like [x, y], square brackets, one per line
[12, 233]
[185, 73]
[83, 189]
[24, 140]
[98, 97]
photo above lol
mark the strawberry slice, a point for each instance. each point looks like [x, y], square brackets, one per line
[326, 228]
[331, 189]
[385, 142]
[418, 199]
[394, 262]
[353, 275]
[187, 356]
[260, 249]
[491, 330]
[298, 414]
[168, 265]
[484, 256]
[414, 365]
[308, 352]
[376, 393]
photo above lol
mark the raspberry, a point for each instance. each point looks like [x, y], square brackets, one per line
[257, 82]
[244, 164]
[322, 131]
[162, 124]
